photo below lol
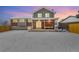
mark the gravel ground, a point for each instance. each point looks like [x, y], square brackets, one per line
[24, 41]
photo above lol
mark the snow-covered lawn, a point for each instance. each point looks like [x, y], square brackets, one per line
[24, 41]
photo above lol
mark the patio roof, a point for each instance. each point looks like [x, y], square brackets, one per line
[44, 18]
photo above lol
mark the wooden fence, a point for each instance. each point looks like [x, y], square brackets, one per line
[5, 28]
[74, 27]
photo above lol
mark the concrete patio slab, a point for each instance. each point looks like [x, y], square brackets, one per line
[24, 41]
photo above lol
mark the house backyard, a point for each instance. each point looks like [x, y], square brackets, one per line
[40, 33]
[24, 41]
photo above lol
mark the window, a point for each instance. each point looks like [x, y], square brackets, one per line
[21, 20]
[29, 20]
[14, 24]
[39, 14]
[15, 20]
[46, 14]
[29, 24]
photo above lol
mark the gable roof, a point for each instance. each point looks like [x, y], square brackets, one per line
[43, 9]
[70, 19]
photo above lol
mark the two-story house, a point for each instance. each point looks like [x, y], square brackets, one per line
[42, 19]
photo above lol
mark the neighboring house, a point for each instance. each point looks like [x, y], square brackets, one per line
[19, 23]
[42, 19]
[71, 23]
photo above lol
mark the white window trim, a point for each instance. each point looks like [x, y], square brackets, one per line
[47, 15]
[15, 20]
[39, 15]
[21, 20]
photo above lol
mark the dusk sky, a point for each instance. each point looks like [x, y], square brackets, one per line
[62, 12]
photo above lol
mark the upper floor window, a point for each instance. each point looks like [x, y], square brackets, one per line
[46, 14]
[21, 20]
[39, 14]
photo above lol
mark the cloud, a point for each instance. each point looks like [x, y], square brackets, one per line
[20, 14]
[66, 13]
[61, 11]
